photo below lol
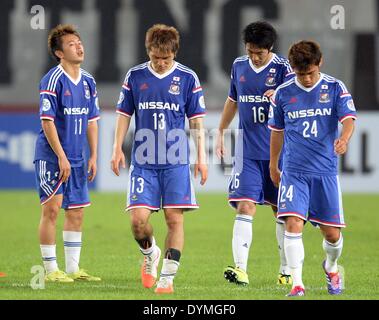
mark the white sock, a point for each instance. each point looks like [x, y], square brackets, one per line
[49, 257]
[242, 238]
[150, 250]
[280, 227]
[333, 252]
[294, 249]
[72, 245]
[169, 269]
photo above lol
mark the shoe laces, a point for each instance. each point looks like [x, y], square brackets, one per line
[164, 282]
[148, 265]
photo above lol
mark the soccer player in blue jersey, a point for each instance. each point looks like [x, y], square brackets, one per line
[253, 80]
[69, 111]
[305, 112]
[160, 93]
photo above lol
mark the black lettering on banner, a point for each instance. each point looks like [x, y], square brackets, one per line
[56, 7]
[231, 26]
[6, 6]
[366, 169]
[365, 79]
[192, 52]
[345, 169]
[107, 70]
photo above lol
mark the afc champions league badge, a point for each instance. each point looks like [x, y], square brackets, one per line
[175, 86]
[324, 94]
[270, 80]
[86, 89]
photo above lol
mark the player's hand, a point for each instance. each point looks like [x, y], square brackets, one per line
[64, 168]
[92, 169]
[203, 169]
[117, 157]
[269, 93]
[220, 147]
[340, 146]
[275, 176]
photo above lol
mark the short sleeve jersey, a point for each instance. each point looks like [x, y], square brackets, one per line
[247, 87]
[309, 118]
[71, 105]
[160, 104]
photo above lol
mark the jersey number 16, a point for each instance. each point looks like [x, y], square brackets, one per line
[259, 115]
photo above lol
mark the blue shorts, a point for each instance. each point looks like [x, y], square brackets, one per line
[252, 184]
[160, 188]
[311, 197]
[75, 190]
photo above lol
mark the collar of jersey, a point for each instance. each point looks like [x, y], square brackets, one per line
[75, 82]
[311, 88]
[163, 75]
[257, 70]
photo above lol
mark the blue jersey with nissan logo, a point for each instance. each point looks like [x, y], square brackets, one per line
[71, 104]
[247, 87]
[161, 103]
[309, 118]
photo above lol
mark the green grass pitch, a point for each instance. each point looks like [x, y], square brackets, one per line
[110, 252]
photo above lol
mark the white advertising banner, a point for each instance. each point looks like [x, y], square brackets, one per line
[359, 168]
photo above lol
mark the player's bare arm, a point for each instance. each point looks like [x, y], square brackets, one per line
[230, 110]
[92, 136]
[51, 134]
[197, 128]
[276, 145]
[340, 144]
[122, 126]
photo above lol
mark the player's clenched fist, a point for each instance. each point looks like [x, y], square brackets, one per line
[340, 146]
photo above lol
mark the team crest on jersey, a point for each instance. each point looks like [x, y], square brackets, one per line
[270, 81]
[86, 90]
[46, 105]
[350, 105]
[202, 102]
[324, 97]
[175, 86]
[174, 89]
[121, 98]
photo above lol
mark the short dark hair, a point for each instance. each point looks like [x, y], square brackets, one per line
[304, 54]
[54, 41]
[261, 34]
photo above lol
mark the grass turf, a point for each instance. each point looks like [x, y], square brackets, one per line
[110, 252]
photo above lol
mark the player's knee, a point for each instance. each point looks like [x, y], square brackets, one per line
[75, 217]
[51, 213]
[332, 237]
[138, 224]
[294, 224]
[174, 223]
[246, 208]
